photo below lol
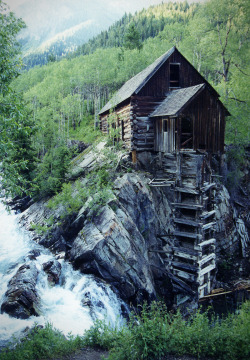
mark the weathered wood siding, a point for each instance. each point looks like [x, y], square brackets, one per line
[142, 125]
[123, 122]
[165, 136]
[208, 116]
[158, 85]
[141, 133]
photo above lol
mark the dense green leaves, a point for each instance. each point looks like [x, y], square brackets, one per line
[154, 333]
[16, 152]
[132, 38]
[64, 97]
[9, 49]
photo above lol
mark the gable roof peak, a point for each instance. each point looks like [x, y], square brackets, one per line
[136, 83]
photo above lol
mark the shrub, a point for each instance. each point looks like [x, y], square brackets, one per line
[42, 343]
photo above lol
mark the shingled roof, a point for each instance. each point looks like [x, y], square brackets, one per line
[177, 100]
[134, 85]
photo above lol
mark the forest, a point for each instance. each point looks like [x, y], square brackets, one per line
[45, 107]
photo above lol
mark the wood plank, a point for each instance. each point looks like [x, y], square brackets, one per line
[207, 214]
[181, 283]
[187, 222]
[206, 259]
[187, 234]
[184, 266]
[208, 187]
[187, 190]
[191, 251]
[188, 206]
[208, 225]
[207, 242]
[214, 295]
[184, 255]
[207, 269]
[185, 275]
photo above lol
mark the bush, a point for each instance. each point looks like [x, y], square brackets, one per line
[42, 343]
[151, 334]
[154, 333]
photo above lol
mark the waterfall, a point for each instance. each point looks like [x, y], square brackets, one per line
[71, 306]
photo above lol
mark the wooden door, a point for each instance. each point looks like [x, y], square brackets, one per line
[165, 137]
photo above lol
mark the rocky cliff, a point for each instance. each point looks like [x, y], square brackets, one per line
[119, 241]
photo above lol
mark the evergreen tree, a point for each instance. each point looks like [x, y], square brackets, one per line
[132, 38]
[16, 152]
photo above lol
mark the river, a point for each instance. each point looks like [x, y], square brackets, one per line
[61, 304]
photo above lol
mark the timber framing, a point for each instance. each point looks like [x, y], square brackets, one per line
[182, 123]
[152, 115]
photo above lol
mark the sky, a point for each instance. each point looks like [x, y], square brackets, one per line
[127, 5]
[46, 18]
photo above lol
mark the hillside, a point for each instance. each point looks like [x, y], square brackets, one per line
[56, 27]
[63, 98]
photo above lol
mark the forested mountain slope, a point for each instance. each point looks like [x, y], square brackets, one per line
[63, 97]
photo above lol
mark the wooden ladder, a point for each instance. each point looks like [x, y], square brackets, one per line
[193, 256]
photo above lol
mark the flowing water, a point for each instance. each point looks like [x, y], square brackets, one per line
[62, 305]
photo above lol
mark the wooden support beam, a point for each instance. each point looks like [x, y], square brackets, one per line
[181, 283]
[206, 259]
[190, 251]
[206, 242]
[184, 255]
[206, 270]
[184, 266]
[187, 190]
[134, 158]
[208, 187]
[207, 214]
[208, 225]
[187, 234]
[187, 222]
[188, 206]
[185, 275]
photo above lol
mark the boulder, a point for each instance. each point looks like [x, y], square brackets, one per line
[53, 269]
[21, 298]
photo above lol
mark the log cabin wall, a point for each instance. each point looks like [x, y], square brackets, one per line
[206, 111]
[208, 122]
[142, 124]
[123, 122]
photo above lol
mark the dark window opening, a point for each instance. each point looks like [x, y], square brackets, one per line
[165, 125]
[122, 130]
[186, 133]
[174, 76]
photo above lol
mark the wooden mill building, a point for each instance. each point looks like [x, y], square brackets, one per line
[170, 110]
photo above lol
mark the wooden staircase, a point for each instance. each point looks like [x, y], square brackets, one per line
[191, 251]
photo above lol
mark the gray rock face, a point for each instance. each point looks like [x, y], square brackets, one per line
[227, 236]
[116, 244]
[53, 269]
[21, 299]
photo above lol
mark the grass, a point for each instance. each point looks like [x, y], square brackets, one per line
[153, 333]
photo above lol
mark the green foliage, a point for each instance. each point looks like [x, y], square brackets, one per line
[151, 334]
[42, 343]
[212, 36]
[102, 335]
[17, 156]
[155, 333]
[9, 50]
[94, 190]
[132, 38]
[64, 97]
[39, 229]
[71, 198]
[51, 171]
[235, 161]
